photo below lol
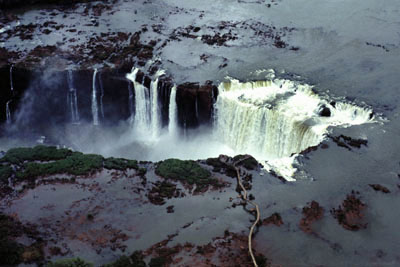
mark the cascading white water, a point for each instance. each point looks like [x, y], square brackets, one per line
[95, 111]
[8, 112]
[173, 113]
[11, 78]
[142, 114]
[274, 119]
[155, 113]
[72, 98]
[147, 115]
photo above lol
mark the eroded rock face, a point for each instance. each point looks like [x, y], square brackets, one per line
[195, 103]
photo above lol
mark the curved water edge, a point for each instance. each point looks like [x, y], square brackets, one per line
[276, 119]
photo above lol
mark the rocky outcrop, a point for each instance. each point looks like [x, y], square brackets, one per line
[348, 142]
[24, 3]
[350, 213]
[381, 188]
[311, 214]
[275, 219]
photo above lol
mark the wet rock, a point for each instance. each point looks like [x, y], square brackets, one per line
[220, 165]
[311, 214]
[275, 219]
[229, 250]
[307, 150]
[161, 191]
[348, 142]
[278, 43]
[217, 39]
[350, 213]
[170, 209]
[325, 111]
[381, 188]
[247, 161]
[281, 178]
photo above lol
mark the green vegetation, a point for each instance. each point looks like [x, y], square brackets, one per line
[158, 262]
[5, 172]
[184, 170]
[32, 162]
[74, 262]
[40, 153]
[249, 163]
[76, 164]
[162, 190]
[142, 171]
[120, 164]
[135, 260]
[219, 166]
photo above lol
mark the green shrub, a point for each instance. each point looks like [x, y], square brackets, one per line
[41, 153]
[142, 171]
[74, 262]
[5, 172]
[120, 164]
[183, 170]
[158, 262]
[76, 164]
[249, 163]
[135, 260]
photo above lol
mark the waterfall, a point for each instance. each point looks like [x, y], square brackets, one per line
[147, 113]
[11, 78]
[274, 119]
[8, 112]
[101, 95]
[173, 113]
[95, 111]
[72, 98]
[155, 113]
[142, 114]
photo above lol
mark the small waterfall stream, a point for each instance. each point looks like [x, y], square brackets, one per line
[173, 113]
[8, 112]
[72, 98]
[95, 111]
[147, 117]
[11, 78]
